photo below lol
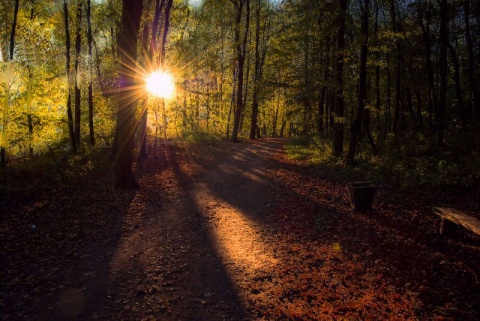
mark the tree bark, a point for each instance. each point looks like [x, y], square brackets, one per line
[362, 94]
[256, 75]
[323, 92]
[471, 61]
[166, 25]
[3, 141]
[241, 47]
[339, 99]
[78, 56]
[90, 72]
[458, 88]
[427, 38]
[71, 131]
[398, 63]
[442, 103]
[125, 130]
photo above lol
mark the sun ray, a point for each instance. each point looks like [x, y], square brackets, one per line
[160, 84]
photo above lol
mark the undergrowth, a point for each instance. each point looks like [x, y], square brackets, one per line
[408, 162]
[24, 179]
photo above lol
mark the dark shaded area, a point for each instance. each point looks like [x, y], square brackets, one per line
[99, 253]
[92, 252]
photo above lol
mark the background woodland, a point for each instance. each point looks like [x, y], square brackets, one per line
[390, 87]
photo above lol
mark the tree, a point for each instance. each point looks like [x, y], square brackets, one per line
[154, 44]
[339, 99]
[362, 92]
[78, 57]
[125, 130]
[241, 47]
[90, 74]
[3, 141]
[71, 130]
[475, 99]
[260, 54]
[442, 102]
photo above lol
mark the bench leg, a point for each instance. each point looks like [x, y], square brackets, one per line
[448, 228]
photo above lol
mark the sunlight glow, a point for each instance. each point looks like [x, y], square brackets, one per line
[238, 239]
[196, 3]
[160, 84]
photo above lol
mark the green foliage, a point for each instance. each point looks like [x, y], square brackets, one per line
[32, 176]
[411, 162]
[196, 137]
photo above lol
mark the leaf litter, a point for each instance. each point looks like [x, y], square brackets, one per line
[99, 253]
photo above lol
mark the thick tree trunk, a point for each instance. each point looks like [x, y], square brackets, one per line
[458, 88]
[240, 52]
[166, 26]
[398, 65]
[362, 94]
[339, 100]
[131, 15]
[3, 140]
[471, 62]
[442, 103]
[427, 38]
[90, 78]
[256, 75]
[78, 57]
[71, 131]
[378, 102]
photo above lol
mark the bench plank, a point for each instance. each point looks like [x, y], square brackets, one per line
[459, 218]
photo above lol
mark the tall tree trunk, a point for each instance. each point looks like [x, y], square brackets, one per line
[458, 87]
[90, 72]
[151, 57]
[427, 38]
[142, 128]
[471, 61]
[442, 103]
[323, 91]
[241, 47]
[6, 109]
[232, 101]
[156, 18]
[362, 94]
[398, 65]
[90, 78]
[378, 102]
[78, 57]
[275, 117]
[71, 131]
[166, 26]
[256, 75]
[339, 99]
[131, 15]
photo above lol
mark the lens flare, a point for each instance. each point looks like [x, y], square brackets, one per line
[160, 84]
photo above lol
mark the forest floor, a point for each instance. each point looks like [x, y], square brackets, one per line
[233, 232]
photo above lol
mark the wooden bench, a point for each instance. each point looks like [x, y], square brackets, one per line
[451, 218]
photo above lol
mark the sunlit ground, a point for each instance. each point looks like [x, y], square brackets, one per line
[238, 239]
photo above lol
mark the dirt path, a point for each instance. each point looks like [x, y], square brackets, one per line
[193, 251]
[244, 235]
[180, 261]
[169, 251]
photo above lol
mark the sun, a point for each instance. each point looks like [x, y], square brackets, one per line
[160, 84]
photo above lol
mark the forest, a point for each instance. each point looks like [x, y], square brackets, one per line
[391, 85]
[113, 113]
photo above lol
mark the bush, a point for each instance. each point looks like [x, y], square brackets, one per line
[408, 162]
